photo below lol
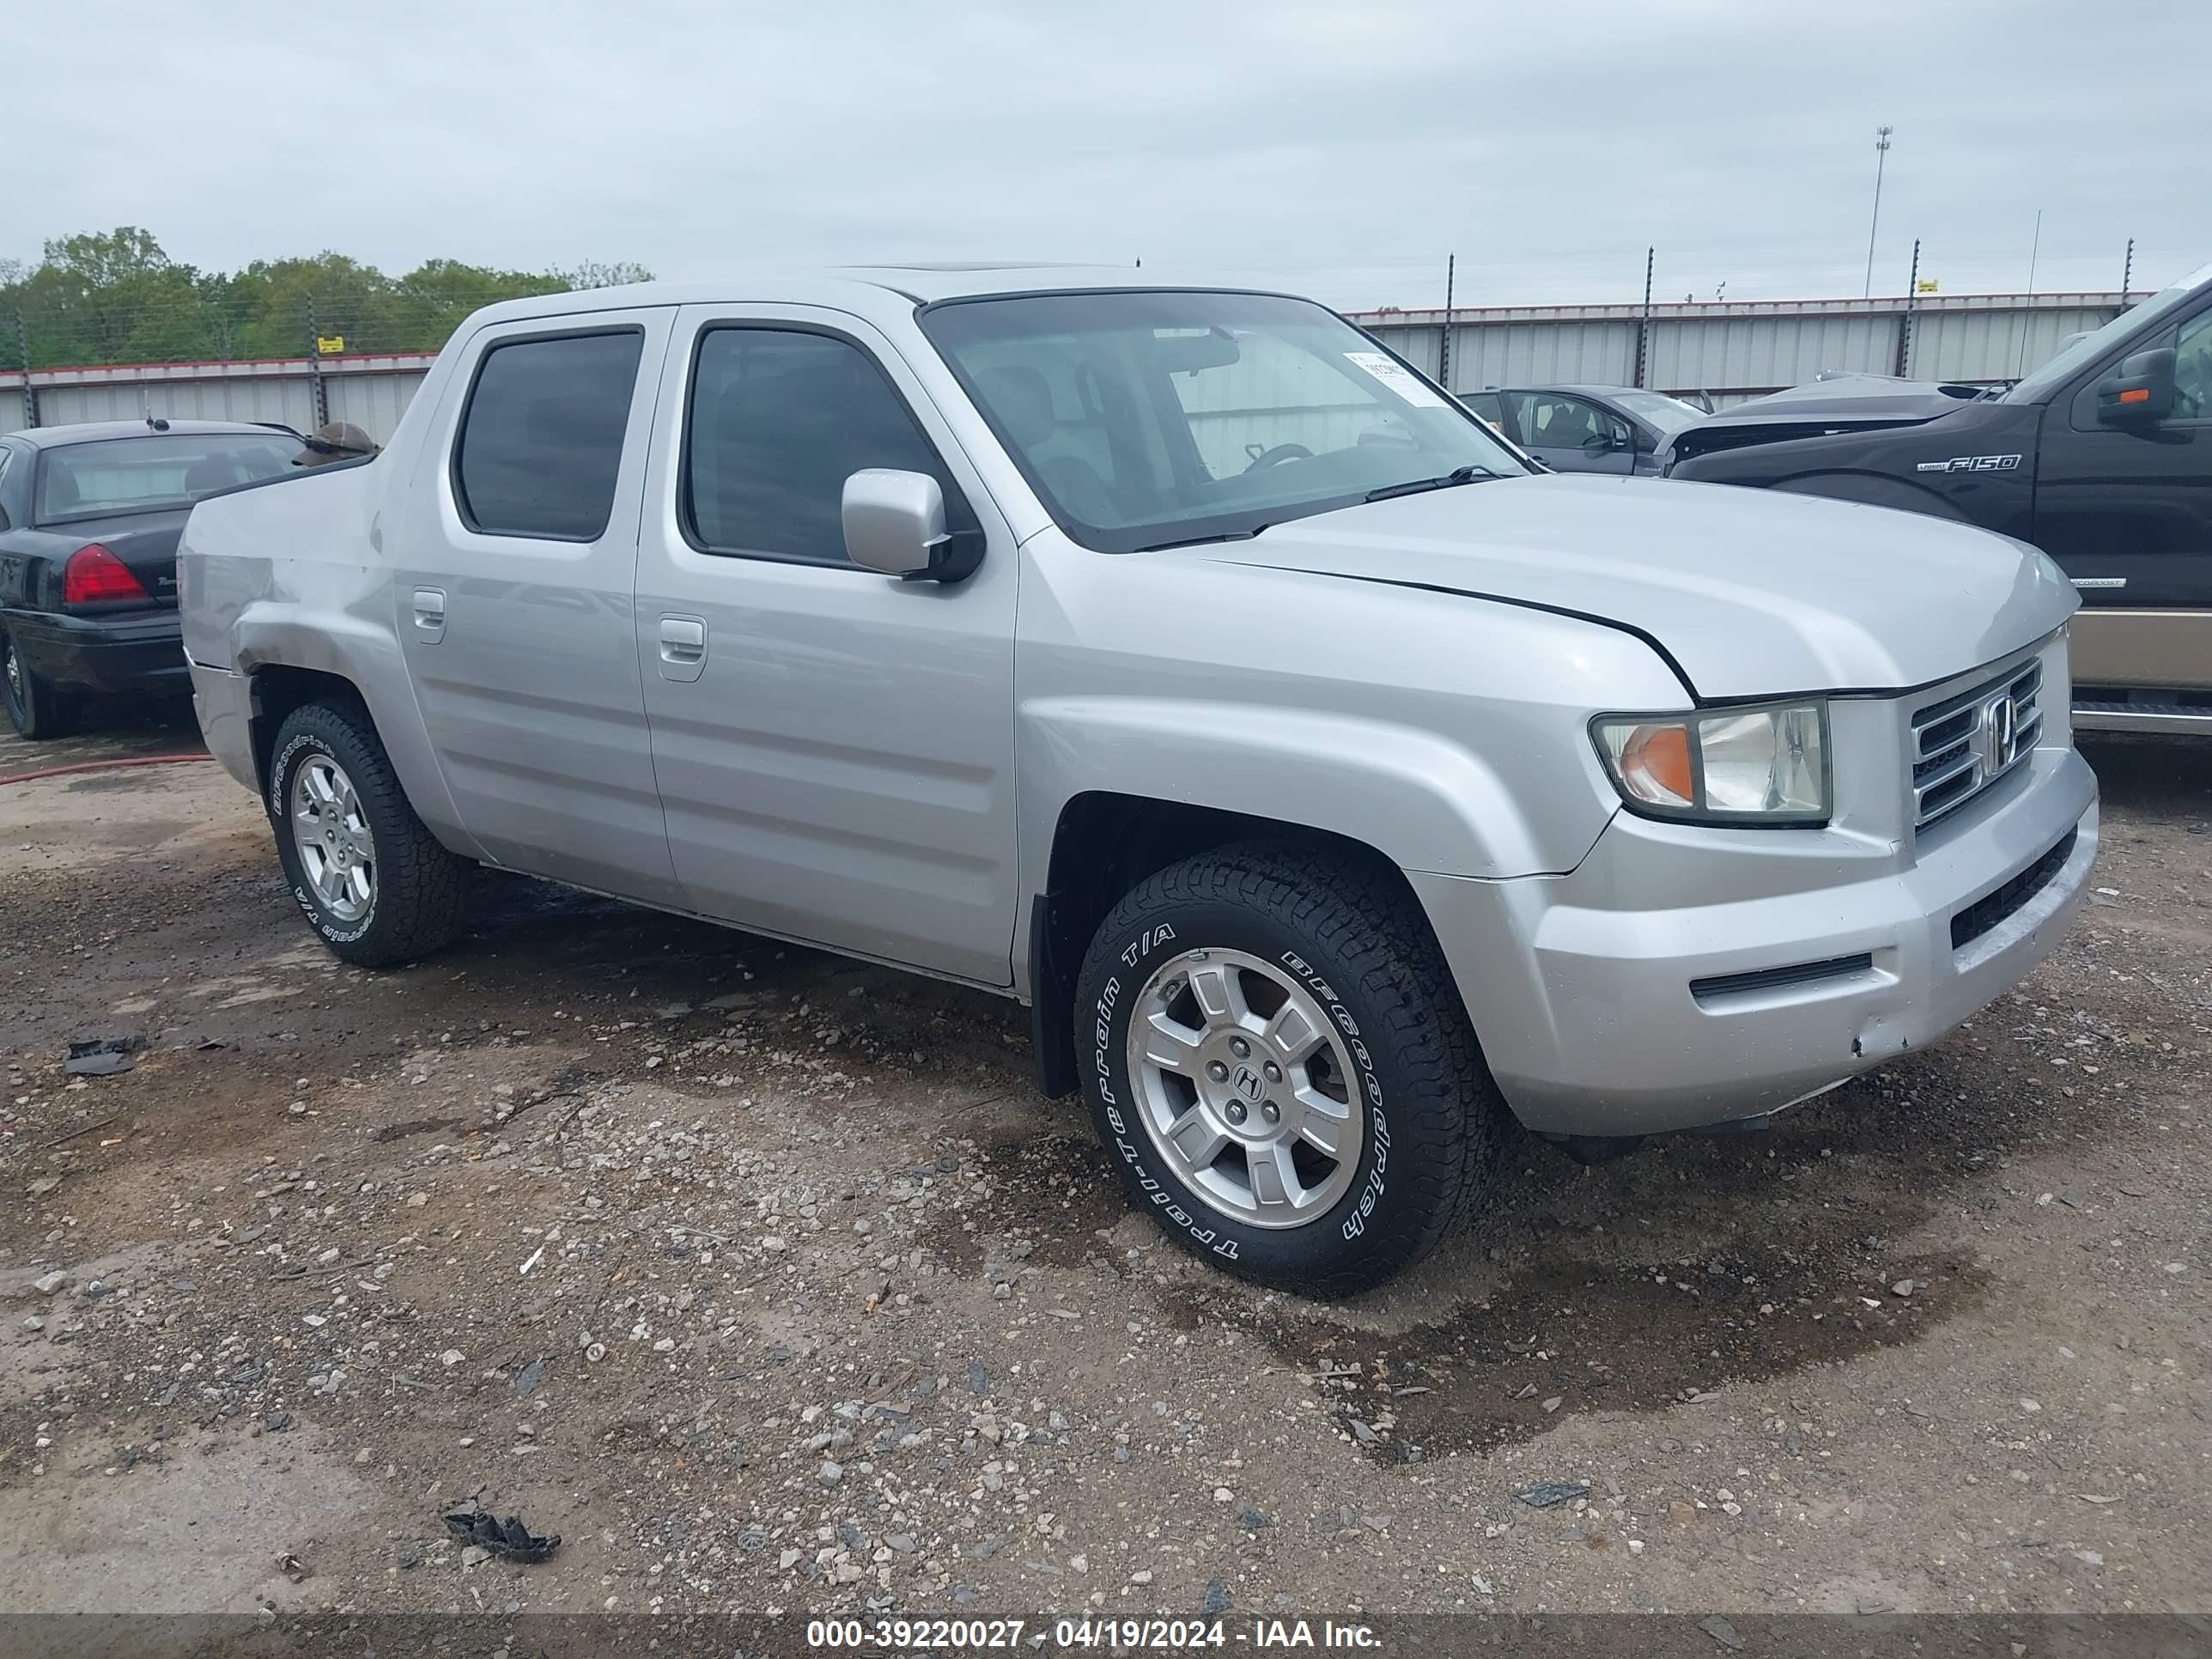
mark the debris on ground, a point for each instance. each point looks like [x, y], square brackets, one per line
[102, 1056]
[1722, 1632]
[509, 1539]
[1545, 1493]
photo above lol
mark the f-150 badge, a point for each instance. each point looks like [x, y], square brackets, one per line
[1970, 464]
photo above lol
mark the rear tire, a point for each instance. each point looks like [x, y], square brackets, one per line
[1365, 1091]
[366, 870]
[35, 709]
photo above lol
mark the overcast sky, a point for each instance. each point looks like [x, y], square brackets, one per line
[1340, 150]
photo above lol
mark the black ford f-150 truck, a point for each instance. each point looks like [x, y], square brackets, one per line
[2102, 458]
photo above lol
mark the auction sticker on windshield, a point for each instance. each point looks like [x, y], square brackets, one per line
[1393, 374]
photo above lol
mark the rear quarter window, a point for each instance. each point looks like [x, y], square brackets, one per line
[540, 442]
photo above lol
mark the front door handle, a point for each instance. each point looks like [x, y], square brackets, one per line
[683, 647]
[430, 612]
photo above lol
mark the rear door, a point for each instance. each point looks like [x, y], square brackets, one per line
[515, 585]
[1569, 433]
[834, 747]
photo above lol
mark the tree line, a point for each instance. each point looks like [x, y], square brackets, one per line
[116, 297]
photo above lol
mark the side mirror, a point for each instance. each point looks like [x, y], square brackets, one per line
[894, 522]
[2139, 391]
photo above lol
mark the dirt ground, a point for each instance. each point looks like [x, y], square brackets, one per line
[766, 1281]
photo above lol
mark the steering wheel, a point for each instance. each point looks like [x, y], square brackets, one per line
[1278, 455]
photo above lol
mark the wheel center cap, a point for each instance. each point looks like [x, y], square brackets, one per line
[1246, 1081]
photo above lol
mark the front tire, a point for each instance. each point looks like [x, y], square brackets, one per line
[1276, 1057]
[367, 873]
[35, 709]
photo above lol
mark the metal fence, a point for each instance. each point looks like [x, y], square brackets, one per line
[1728, 350]
[370, 389]
[1738, 349]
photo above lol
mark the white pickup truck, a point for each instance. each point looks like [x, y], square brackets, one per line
[1334, 784]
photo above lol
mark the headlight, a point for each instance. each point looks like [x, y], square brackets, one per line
[1761, 766]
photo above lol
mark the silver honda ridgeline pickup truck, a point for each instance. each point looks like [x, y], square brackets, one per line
[1330, 780]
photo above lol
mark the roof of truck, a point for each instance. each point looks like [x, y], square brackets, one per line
[855, 287]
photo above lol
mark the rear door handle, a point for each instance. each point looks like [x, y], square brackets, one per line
[683, 647]
[430, 612]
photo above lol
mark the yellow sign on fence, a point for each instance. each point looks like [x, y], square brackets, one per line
[1925, 285]
[330, 345]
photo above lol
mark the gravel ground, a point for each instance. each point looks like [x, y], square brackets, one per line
[766, 1281]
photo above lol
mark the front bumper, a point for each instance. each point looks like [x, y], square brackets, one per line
[137, 651]
[1581, 988]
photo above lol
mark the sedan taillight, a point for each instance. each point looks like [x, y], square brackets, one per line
[94, 573]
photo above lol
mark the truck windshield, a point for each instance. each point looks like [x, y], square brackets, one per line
[1665, 415]
[153, 473]
[1150, 417]
[2048, 379]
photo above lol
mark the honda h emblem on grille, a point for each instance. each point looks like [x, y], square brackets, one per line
[1996, 740]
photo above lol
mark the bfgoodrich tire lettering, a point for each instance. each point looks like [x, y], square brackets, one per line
[1345, 937]
[418, 899]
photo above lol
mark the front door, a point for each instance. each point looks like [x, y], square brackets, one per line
[2127, 511]
[834, 747]
[518, 563]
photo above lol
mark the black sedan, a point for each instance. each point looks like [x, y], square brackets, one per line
[89, 517]
[1585, 428]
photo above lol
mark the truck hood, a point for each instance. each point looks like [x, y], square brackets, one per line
[1864, 397]
[1852, 403]
[1749, 593]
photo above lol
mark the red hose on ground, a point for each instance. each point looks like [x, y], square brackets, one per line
[103, 766]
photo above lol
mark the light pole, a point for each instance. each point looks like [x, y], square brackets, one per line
[1880, 157]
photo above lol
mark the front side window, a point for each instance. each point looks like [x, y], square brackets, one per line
[1145, 417]
[1488, 407]
[154, 473]
[779, 420]
[2086, 348]
[2192, 369]
[1551, 420]
[541, 440]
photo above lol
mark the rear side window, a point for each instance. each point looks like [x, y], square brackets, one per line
[779, 420]
[541, 439]
[155, 472]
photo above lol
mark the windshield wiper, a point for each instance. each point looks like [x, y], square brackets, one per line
[1200, 541]
[1458, 475]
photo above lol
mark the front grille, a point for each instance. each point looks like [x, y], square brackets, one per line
[1964, 744]
[1985, 913]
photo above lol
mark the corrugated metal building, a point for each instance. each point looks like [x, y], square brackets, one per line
[1730, 350]
[1738, 349]
[370, 391]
